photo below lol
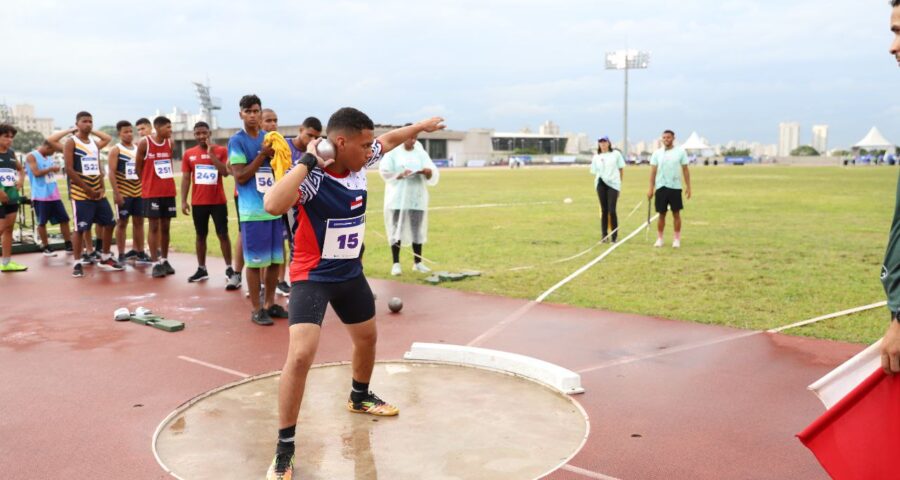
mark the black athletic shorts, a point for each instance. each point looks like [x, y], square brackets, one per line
[668, 197]
[201, 214]
[8, 208]
[351, 300]
[130, 207]
[160, 207]
[89, 212]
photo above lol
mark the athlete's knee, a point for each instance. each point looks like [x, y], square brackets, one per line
[300, 359]
[367, 338]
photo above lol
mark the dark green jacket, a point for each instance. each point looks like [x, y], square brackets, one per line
[890, 271]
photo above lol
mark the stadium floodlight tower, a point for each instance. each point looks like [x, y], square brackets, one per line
[207, 103]
[627, 60]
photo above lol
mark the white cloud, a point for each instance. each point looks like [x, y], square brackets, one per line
[503, 63]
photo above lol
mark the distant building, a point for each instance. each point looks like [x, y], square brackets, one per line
[536, 143]
[788, 138]
[549, 128]
[820, 138]
[184, 121]
[25, 121]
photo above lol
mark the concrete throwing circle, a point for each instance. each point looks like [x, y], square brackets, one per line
[455, 422]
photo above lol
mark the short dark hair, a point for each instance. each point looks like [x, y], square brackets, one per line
[46, 143]
[201, 124]
[122, 124]
[673, 133]
[895, 3]
[6, 129]
[248, 101]
[142, 121]
[351, 119]
[160, 121]
[82, 114]
[316, 124]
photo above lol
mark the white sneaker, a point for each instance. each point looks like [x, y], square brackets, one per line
[676, 244]
[421, 268]
[396, 270]
[659, 243]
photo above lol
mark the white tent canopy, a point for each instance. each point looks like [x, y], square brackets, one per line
[695, 143]
[874, 140]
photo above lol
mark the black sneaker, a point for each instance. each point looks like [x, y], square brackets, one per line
[87, 260]
[198, 276]
[130, 255]
[282, 467]
[234, 282]
[261, 317]
[159, 271]
[69, 248]
[283, 289]
[228, 273]
[78, 271]
[169, 270]
[95, 256]
[47, 252]
[277, 311]
[111, 264]
[143, 259]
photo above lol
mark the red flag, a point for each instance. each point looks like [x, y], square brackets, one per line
[859, 438]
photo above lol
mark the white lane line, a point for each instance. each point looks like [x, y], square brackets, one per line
[502, 324]
[830, 315]
[592, 262]
[214, 367]
[528, 306]
[489, 205]
[670, 351]
[585, 252]
[587, 473]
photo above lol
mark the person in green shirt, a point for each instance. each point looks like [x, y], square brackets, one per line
[890, 270]
[12, 177]
[608, 166]
[668, 165]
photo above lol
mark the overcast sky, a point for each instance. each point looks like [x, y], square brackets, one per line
[730, 70]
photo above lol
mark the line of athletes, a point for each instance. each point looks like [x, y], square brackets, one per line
[141, 176]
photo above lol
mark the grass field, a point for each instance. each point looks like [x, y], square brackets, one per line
[762, 246]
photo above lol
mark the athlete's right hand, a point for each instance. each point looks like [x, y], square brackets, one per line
[55, 169]
[312, 149]
[186, 208]
[890, 349]
[119, 199]
[267, 151]
[649, 194]
[99, 193]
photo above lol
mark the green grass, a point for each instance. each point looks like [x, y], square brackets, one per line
[762, 246]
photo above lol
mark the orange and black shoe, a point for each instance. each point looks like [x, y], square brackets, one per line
[282, 467]
[373, 406]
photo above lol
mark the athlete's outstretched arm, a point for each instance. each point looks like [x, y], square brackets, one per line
[286, 192]
[390, 140]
